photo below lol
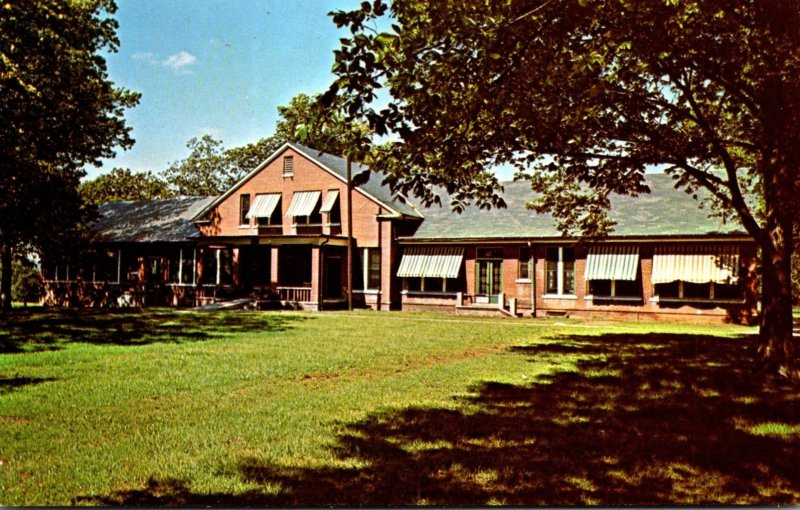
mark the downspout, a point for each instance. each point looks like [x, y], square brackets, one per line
[532, 262]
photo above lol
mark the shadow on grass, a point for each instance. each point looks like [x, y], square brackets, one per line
[33, 330]
[9, 384]
[644, 420]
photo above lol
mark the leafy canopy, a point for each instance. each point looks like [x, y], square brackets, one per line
[581, 95]
[59, 111]
[210, 169]
[121, 185]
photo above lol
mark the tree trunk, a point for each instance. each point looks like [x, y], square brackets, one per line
[778, 348]
[5, 276]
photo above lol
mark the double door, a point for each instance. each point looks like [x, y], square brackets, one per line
[489, 283]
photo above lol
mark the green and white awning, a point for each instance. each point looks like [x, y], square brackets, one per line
[330, 201]
[303, 203]
[264, 205]
[612, 263]
[696, 264]
[431, 262]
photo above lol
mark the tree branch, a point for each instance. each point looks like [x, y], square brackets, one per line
[736, 198]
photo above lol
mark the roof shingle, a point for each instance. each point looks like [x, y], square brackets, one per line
[149, 221]
[665, 211]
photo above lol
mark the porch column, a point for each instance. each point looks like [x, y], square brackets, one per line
[316, 270]
[237, 278]
[198, 265]
[273, 269]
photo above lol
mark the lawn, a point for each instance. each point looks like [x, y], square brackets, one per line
[161, 407]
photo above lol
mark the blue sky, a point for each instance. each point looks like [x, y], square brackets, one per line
[216, 66]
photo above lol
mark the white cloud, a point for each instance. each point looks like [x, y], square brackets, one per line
[145, 56]
[179, 60]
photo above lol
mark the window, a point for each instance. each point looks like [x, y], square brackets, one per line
[244, 208]
[560, 271]
[331, 207]
[274, 219]
[433, 285]
[217, 266]
[106, 266]
[615, 288]
[373, 269]
[524, 267]
[288, 166]
[181, 266]
[687, 291]
[155, 273]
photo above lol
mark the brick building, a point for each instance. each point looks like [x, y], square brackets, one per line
[278, 237]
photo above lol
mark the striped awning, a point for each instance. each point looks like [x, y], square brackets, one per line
[612, 263]
[431, 262]
[264, 205]
[696, 264]
[303, 203]
[330, 201]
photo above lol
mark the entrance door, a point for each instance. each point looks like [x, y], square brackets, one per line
[489, 282]
[332, 273]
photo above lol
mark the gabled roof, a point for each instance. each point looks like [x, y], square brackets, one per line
[164, 220]
[374, 189]
[664, 212]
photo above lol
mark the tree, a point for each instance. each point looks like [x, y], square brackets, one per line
[27, 284]
[210, 169]
[582, 96]
[59, 113]
[204, 172]
[121, 184]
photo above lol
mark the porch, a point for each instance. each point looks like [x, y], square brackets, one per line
[308, 276]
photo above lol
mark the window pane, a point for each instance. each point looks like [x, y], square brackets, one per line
[130, 268]
[551, 276]
[188, 266]
[569, 276]
[244, 208]
[483, 278]
[668, 290]
[174, 266]
[374, 269]
[106, 270]
[489, 253]
[456, 285]
[226, 267]
[209, 266]
[696, 290]
[568, 254]
[413, 284]
[600, 287]
[552, 254]
[523, 271]
[154, 272]
[628, 288]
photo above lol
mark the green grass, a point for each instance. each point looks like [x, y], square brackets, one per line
[162, 407]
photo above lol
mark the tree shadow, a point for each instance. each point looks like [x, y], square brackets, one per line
[35, 330]
[654, 419]
[9, 384]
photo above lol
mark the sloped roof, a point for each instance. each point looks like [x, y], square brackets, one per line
[665, 211]
[373, 188]
[149, 221]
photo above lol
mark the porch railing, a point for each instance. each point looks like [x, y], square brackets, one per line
[298, 294]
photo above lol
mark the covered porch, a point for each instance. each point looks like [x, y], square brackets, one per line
[291, 272]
